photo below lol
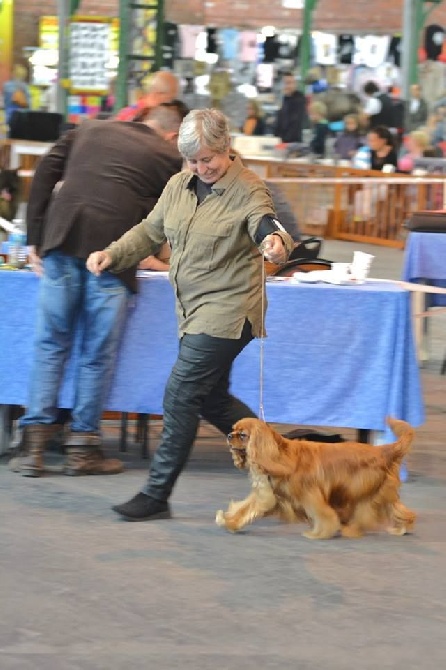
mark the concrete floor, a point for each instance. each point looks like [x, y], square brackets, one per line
[81, 589]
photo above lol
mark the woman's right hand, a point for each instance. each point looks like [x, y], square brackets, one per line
[98, 261]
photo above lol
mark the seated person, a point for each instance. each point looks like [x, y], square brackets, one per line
[254, 123]
[282, 206]
[417, 145]
[317, 112]
[348, 142]
[436, 126]
[284, 211]
[16, 95]
[382, 148]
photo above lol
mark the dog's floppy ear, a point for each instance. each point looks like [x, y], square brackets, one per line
[264, 452]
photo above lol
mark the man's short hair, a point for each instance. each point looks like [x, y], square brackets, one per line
[370, 88]
[177, 105]
[168, 114]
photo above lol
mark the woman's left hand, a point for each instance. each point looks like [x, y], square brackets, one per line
[273, 249]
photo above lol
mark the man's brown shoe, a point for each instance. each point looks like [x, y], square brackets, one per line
[85, 457]
[29, 459]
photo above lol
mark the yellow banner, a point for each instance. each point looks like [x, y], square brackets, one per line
[6, 12]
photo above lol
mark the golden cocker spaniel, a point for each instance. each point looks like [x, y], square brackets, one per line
[345, 487]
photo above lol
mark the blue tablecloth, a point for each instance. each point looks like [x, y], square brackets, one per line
[424, 262]
[335, 356]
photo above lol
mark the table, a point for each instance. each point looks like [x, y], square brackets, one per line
[21, 148]
[424, 262]
[338, 356]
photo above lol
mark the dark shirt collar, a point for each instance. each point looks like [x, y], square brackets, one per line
[222, 184]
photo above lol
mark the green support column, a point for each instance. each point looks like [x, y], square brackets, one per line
[63, 14]
[305, 49]
[121, 84]
[136, 17]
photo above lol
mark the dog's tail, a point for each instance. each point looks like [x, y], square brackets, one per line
[405, 434]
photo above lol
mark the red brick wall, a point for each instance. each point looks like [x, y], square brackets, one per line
[372, 16]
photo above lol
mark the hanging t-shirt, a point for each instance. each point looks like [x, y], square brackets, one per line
[265, 76]
[248, 46]
[229, 38]
[170, 44]
[325, 48]
[371, 50]
[219, 84]
[433, 41]
[287, 46]
[346, 49]
[189, 36]
[270, 49]
[394, 55]
[211, 47]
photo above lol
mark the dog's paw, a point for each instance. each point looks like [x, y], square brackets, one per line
[397, 530]
[220, 518]
[310, 535]
[351, 531]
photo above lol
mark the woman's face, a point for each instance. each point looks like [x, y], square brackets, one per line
[251, 110]
[376, 142]
[412, 145]
[351, 125]
[209, 165]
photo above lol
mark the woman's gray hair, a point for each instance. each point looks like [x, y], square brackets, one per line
[204, 128]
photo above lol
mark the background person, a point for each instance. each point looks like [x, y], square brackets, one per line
[254, 123]
[292, 113]
[164, 86]
[350, 139]
[16, 95]
[378, 108]
[317, 111]
[418, 110]
[113, 173]
[215, 215]
[281, 204]
[417, 145]
[382, 148]
[436, 127]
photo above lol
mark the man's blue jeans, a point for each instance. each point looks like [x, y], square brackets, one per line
[72, 299]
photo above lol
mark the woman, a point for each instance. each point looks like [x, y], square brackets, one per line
[417, 146]
[215, 214]
[317, 112]
[381, 143]
[254, 123]
[16, 95]
[348, 142]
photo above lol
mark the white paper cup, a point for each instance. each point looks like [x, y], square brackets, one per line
[360, 266]
[340, 271]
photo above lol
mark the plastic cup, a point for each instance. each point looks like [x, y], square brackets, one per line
[340, 271]
[360, 266]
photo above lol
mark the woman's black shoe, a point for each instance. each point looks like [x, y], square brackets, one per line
[143, 508]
